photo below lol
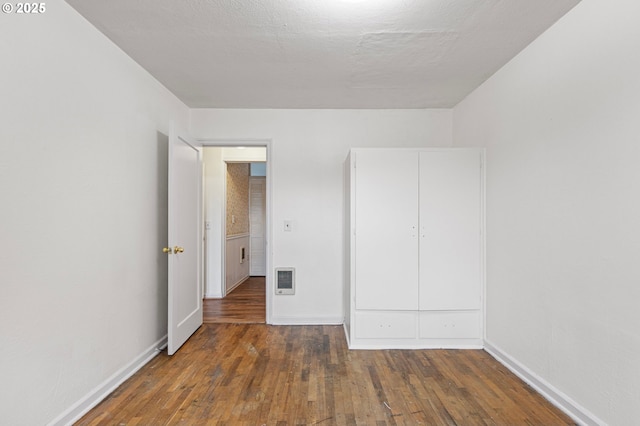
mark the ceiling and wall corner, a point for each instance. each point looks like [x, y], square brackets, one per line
[322, 54]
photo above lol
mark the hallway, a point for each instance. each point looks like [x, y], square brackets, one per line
[244, 305]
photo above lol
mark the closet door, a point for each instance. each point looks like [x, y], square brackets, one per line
[450, 240]
[386, 234]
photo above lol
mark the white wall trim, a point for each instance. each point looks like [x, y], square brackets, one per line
[384, 344]
[574, 410]
[307, 320]
[100, 392]
[240, 281]
[236, 269]
[236, 236]
[346, 334]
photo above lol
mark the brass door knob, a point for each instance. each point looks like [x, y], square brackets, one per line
[178, 249]
[167, 250]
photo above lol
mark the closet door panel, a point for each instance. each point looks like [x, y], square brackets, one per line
[450, 239]
[386, 234]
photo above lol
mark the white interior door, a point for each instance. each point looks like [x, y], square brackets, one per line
[185, 242]
[386, 240]
[257, 226]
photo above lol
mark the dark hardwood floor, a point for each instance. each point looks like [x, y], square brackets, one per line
[245, 304]
[255, 374]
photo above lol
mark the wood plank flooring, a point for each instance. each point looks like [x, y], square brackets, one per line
[245, 304]
[255, 374]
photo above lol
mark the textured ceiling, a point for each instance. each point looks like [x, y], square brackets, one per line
[322, 53]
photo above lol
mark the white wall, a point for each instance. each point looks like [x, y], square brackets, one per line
[214, 201]
[561, 126]
[83, 162]
[308, 148]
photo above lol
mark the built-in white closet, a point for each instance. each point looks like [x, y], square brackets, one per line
[415, 263]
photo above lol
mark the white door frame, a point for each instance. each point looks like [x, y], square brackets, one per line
[266, 143]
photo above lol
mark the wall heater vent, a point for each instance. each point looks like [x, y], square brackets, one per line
[285, 280]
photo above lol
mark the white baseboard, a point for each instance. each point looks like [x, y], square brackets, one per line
[346, 334]
[307, 320]
[82, 407]
[385, 344]
[240, 281]
[574, 410]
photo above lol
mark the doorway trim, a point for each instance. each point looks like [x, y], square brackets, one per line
[265, 143]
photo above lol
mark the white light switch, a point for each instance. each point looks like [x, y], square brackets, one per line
[288, 225]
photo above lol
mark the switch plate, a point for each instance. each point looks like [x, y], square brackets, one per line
[288, 225]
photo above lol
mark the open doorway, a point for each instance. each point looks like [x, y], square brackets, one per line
[236, 225]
